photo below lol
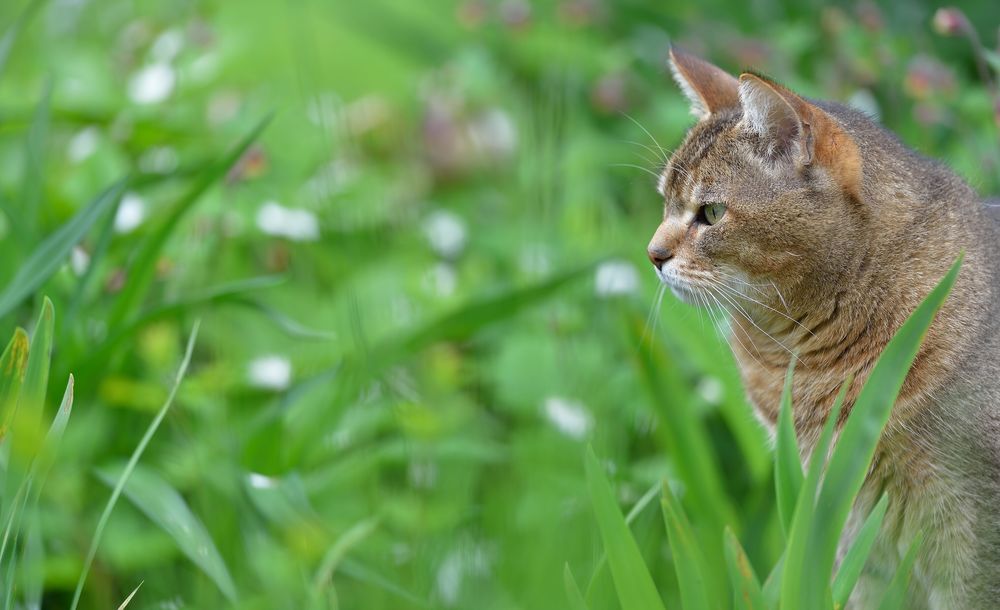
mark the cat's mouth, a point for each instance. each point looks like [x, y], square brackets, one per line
[682, 288]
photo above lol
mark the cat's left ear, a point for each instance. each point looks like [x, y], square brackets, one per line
[708, 87]
[794, 128]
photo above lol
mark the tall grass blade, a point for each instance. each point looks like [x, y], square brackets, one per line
[647, 498]
[130, 466]
[166, 508]
[143, 267]
[634, 584]
[130, 596]
[854, 561]
[787, 463]
[795, 559]
[10, 36]
[747, 594]
[52, 252]
[573, 594]
[894, 597]
[13, 365]
[30, 197]
[350, 539]
[855, 448]
[689, 561]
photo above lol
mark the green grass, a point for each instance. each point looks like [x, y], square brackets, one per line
[428, 446]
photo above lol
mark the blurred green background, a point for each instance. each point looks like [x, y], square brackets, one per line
[422, 290]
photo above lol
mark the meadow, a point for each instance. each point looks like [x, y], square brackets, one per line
[346, 304]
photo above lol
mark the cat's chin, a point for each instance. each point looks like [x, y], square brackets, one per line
[685, 294]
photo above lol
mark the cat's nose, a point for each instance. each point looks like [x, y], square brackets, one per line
[658, 255]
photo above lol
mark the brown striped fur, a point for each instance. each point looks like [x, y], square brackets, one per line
[834, 231]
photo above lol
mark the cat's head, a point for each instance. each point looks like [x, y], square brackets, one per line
[764, 190]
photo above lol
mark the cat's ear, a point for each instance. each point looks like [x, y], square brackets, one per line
[708, 87]
[796, 129]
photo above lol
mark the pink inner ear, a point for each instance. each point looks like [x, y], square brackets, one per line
[709, 87]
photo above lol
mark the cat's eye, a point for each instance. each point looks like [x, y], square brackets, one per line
[712, 213]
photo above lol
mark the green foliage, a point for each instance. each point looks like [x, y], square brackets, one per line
[818, 512]
[421, 294]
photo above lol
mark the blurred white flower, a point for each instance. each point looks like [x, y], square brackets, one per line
[616, 277]
[261, 481]
[467, 559]
[568, 416]
[79, 260]
[446, 233]
[865, 101]
[711, 390]
[167, 46]
[494, 133]
[296, 225]
[270, 372]
[152, 84]
[441, 280]
[83, 144]
[131, 213]
[158, 160]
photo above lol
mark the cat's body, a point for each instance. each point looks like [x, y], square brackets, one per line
[836, 232]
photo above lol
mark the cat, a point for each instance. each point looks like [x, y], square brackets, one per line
[821, 232]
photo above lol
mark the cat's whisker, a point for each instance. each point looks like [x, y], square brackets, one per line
[663, 153]
[744, 313]
[649, 331]
[734, 334]
[639, 167]
[732, 290]
[661, 163]
[781, 297]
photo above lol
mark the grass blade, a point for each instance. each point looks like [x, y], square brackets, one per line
[143, 267]
[10, 36]
[787, 463]
[857, 555]
[130, 596]
[13, 365]
[52, 252]
[894, 597]
[689, 562]
[576, 601]
[634, 584]
[166, 508]
[855, 448]
[747, 594]
[136, 455]
[333, 557]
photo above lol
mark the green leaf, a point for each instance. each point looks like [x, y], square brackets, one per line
[747, 594]
[787, 464]
[166, 508]
[52, 252]
[130, 596]
[8, 38]
[13, 365]
[130, 466]
[350, 539]
[143, 268]
[894, 597]
[576, 600]
[795, 559]
[854, 561]
[855, 448]
[689, 561]
[634, 584]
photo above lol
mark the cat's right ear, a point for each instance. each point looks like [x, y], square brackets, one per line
[708, 87]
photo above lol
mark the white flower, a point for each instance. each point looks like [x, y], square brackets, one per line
[167, 46]
[296, 225]
[446, 233]
[494, 133]
[441, 280]
[616, 277]
[270, 372]
[568, 416]
[83, 144]
[79, 260]
[158, 160]
[711, 390]
[131, 213]
[152, 84]
[261, 481]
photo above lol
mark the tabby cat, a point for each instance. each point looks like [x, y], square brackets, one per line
[821, 233]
